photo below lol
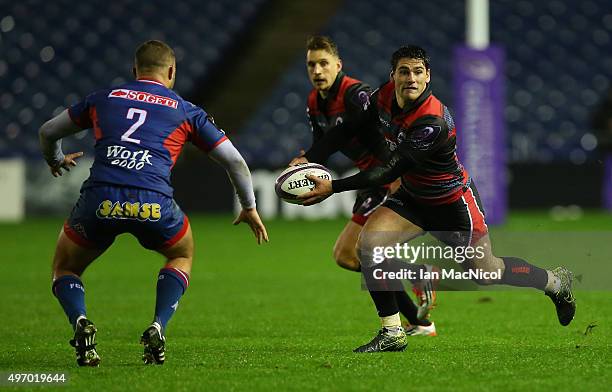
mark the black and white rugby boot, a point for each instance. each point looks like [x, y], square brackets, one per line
[154, 345]
[563, 298]
[385, 340]
[84, 342]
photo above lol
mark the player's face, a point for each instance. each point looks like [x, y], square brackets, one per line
[323, 67]
[410, 77]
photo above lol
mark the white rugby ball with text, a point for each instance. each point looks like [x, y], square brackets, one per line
[292, 182]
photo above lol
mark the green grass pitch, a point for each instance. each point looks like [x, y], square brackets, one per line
[283, 317]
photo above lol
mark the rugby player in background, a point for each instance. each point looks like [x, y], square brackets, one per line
[140, 129]
[436, 194]
[337, 98]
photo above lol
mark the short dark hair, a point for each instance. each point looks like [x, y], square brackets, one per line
[411, 52]
[152, 55]
[322, 42]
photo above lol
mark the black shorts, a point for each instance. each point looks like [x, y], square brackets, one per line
[459, 223]
[366, 202]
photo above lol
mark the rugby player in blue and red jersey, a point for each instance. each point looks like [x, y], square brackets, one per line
[140, 129]
[436, 195]
[337, 98]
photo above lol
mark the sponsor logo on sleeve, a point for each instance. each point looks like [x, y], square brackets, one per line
[363, 100]
[424, 137]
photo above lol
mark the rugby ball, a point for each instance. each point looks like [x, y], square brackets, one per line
[292, 182]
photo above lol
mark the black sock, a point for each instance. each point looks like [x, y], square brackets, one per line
[520, 273]
[382, 292]
[404, 302]
[385, 302]
[408, 309]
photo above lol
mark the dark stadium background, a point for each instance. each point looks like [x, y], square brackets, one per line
[243, 62]
[283, 316]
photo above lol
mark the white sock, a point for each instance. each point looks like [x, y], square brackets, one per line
[392, 323]
[554, 283]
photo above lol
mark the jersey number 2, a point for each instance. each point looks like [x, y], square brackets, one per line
[142, 116]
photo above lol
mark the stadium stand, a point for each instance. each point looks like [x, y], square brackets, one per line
[53, 52]
[558, 65]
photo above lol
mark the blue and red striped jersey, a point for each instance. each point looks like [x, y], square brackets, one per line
[140, 129]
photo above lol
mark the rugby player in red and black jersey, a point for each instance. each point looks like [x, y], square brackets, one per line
[436, 194]
[335, 99]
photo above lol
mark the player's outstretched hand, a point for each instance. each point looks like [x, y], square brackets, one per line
[299, 160]
[322, 190]
[69, 160]
[251, 217]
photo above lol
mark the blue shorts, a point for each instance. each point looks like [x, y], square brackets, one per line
[103, 212]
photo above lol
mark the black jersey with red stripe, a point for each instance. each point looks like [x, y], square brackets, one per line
[423, 131]
[347, 101]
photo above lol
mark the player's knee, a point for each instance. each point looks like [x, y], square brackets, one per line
[69, 259]
[183, 249]
[364, 250]
[182, 263]
[346, 258]
[59, 272]
[66, 266]
[349, 264]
